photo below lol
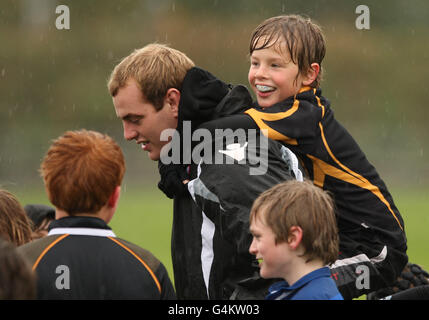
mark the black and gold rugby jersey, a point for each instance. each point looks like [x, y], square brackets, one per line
[81, 258]
[335, 162]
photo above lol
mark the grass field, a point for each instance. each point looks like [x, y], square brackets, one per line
[144, 216]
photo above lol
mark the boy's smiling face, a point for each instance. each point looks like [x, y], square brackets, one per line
[273, 75]
[274, 258]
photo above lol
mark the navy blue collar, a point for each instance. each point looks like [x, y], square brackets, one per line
[284, 286]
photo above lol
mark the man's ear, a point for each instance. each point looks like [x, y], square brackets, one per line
[294, 237]
[311, 74]
[172, 100]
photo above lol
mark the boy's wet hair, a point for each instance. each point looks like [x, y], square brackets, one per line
[302, 204]
[302, 38]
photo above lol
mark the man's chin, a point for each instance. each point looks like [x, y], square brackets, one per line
[153, 156]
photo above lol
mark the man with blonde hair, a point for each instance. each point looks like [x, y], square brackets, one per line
[81, 257]
[146, 89]
[157, 89]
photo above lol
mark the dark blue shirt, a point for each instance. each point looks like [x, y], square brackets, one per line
[316, 285]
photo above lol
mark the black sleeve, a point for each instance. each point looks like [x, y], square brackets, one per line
[167, 289]
[234, 122]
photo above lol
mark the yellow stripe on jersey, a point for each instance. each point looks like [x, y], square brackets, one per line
[260, 117]
[321, 168]
[47, 249]
[319, 103]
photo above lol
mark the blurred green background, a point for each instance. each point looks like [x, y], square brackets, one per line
[55, 80]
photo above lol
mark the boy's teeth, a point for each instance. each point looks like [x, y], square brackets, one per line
[264, 88]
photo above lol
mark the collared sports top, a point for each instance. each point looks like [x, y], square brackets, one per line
[371, 228]
[316, 285]
[81, 258]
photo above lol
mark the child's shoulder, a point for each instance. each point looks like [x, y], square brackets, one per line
[323, 288]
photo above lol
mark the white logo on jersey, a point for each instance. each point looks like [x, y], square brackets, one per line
[235, 151]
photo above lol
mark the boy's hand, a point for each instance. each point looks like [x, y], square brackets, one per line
[174, 179]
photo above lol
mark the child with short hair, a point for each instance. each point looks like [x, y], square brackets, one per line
[82, 172]
[294, 237]
[286, 54]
